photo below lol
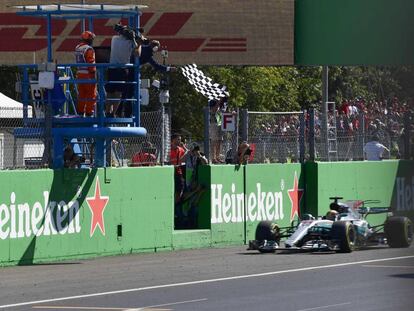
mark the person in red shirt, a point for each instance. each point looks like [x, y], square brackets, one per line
[344, 108]
[85, 53]
[177, 153]
[146, 157]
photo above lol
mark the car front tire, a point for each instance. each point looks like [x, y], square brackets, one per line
[345, 235]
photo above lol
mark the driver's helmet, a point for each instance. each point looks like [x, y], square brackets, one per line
[332, 215]
[334, 206]
[339, 207]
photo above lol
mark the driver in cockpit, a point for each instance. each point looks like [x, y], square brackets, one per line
[335, 209]
[332, 215]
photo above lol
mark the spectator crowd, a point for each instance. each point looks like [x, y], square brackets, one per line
[354, 119]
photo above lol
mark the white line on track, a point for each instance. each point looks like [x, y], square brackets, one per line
[247, 276]
[176, 303]
[326, 307]
[123, 309]
[98, 308]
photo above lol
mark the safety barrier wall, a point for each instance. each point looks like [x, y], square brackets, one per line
[50, 215]
[241, 196]
[390, 182]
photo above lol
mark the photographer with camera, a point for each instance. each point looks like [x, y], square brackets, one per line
[126, 43]
[193, 160]
[148, 48]
[147, 57]
[243, 154]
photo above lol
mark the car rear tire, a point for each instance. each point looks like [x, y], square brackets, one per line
[266, 230]
[398, 231]
[344, 233]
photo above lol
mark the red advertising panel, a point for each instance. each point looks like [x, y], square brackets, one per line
[215, 32]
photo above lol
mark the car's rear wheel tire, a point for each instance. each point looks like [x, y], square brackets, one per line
[344, 233]
[398, 231]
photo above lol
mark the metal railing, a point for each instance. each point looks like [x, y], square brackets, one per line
[275, 137]
[29, 152]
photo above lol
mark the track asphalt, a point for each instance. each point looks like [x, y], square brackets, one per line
[228, 278]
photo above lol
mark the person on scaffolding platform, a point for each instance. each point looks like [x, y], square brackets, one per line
[85, 53]
[125, 43]
[148, 49]
[147, 56]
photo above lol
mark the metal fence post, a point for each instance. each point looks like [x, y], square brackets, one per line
[236, 141]
[312, 135]
[206, 112]
[302, 137]
[407, 135]
[362, 135]
[245, 124]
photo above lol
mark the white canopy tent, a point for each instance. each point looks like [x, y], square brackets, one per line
[9, 108]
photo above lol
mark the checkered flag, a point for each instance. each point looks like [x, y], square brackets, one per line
[203, 84]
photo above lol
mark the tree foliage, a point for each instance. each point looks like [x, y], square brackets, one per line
[266, 88]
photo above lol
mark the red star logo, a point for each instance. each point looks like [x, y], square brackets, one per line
[97, 205]
[295, 195]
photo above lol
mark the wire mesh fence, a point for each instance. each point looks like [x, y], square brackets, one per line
[153, 149]
[20, 149]
[272, 136]
[24, 146]
[353, 132]
[286, 137]
[275, 137]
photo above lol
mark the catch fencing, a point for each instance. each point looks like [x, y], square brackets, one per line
[274, 137]
[352, 132]
[282, 137]
[26, 147]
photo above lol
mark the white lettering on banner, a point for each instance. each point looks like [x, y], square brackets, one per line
[4, 218]
[229, 208]
[24, 217]
[405, 194]
[61, 214]
[216, 204]
[48, 224]
[51, 218]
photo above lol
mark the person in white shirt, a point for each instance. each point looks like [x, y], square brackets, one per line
[123, 45]
[373, 150]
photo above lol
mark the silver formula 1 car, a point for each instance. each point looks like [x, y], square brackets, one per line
[343, 229]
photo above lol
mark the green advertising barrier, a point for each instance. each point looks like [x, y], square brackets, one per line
[241, 196]
[402, 201]
[61, 214]
[274, 192]
[48, 215]
[390, 182]
[226, 190]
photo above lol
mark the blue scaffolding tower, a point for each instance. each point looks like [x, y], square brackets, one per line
[57, 130]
